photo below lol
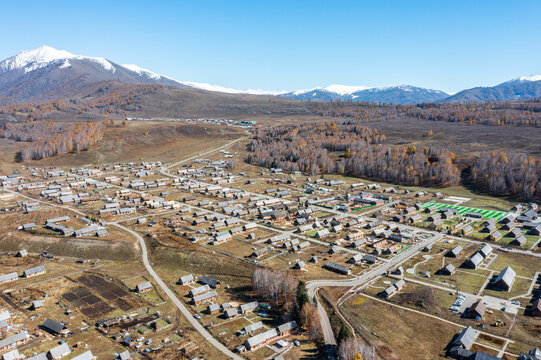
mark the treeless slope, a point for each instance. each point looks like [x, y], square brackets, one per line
[159, 141]
[174, 102]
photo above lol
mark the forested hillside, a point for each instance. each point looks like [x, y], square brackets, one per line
[346, 148]
[45, 139]
[352, 149]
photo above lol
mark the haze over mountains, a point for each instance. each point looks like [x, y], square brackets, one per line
[46, 73]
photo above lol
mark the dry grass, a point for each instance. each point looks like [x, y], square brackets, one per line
[401, 334]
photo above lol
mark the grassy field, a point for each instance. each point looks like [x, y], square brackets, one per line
[488, 214]
[523, 265]
[160, 141]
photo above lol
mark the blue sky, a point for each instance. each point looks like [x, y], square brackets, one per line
[288, 45]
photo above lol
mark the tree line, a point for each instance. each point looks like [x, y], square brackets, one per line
[46, 139]
[514, 113]
[313, 148]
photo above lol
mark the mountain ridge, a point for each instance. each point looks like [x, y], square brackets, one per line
[46, 73]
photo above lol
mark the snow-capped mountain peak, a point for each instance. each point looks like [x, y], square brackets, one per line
[345, 89]
[30, 60]
[334, 88]
[34, 59]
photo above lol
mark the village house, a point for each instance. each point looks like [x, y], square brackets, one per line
[255, 342]
[186, 279]
[125, 355]
[286, 328]
[495, 236]
[454, 252]
[215, 284]
[35, 271]
[370, 259]
[490, 228]
[199, 290]
[213, 308]
[509, 226]
[356, 259]
[143, 287]
[231, 313]
[505, 279]
[448, 269]
[53, 327]
[13, 341]
[302, 246]
[519, 241]
[474, 261]
[431, 209]
[260, 252]
[466, 230]
[87, 355]
[250, 329]
[474, 215]
[341, 269]
[37, 304]
[466, 338]
[9, 277]
[486, 250]
[477, 310]
[249, 307]
[58, 352]
[206, 297]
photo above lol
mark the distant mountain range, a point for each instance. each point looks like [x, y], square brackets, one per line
[402, 94]
[46, 73]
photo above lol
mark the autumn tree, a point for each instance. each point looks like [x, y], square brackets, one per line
[309, 320]
[352, 347]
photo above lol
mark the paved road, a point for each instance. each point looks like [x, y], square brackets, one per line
[201, 154]
[312, 286]
[196, 324]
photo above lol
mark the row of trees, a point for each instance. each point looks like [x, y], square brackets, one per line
[46, 139]
[509, 174]
[519, 113]
[312, 148]
[277, 287]
[289, 296]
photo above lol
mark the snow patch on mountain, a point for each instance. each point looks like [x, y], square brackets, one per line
[141, 71]
[345, 89]
[218, 88]
[66, 64]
